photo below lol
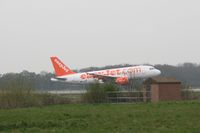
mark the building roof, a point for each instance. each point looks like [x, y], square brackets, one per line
[162, 80]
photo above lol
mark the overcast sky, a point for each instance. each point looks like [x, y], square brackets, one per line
[87, 33]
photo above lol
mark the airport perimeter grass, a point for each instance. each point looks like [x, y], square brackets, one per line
[172, 117]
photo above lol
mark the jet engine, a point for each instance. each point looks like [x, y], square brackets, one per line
[122, 81]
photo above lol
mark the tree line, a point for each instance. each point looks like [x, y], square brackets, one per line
[187, 73]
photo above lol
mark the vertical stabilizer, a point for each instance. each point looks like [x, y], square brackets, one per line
[60, 68]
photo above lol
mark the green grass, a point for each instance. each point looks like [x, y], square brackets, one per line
[172, 117]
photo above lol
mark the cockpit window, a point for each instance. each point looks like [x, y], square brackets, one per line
[151, 68]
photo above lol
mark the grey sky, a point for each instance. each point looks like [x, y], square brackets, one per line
[87, 33]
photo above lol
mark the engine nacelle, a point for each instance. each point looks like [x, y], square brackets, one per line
[122, 81]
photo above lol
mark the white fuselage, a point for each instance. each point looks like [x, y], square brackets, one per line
[136, 72]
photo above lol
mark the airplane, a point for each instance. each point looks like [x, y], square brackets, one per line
[120, 75]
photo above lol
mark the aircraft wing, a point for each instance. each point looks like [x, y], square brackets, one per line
[104, 78]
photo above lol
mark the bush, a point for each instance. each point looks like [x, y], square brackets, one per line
[17, 100]
[20, 93]
[17, 93]
[110, 87]
[50, 99]
[20, 100]
[97, 93]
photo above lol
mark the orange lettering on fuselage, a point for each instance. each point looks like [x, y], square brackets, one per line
[134, 70]
[83, 76]
[114, 72]
[86, 76]
[124, 72]
[89, 76]
[118, 72]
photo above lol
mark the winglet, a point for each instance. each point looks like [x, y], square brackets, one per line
[60, 68]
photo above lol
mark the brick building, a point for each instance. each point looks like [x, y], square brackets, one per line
[162, 89]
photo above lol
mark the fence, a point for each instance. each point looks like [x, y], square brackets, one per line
[127, 97]
[110, 97]
[191, 94]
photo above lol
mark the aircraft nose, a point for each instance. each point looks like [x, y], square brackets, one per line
[158, 72]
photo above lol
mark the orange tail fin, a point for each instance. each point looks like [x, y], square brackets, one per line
[60, 68]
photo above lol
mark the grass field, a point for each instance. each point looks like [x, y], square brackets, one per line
[173, 117]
